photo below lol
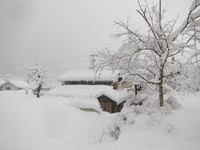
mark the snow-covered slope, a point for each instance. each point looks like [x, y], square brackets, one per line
[53, 123]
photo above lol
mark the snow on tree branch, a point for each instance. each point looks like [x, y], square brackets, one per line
[192, 16]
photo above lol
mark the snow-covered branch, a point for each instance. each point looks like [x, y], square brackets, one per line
[192, 16]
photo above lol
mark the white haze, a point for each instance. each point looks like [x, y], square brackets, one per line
[61, 34]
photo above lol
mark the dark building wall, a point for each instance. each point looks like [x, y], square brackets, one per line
[109, 105]
[82, 82]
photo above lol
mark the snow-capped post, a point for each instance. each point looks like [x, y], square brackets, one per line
[153, 55]
[36, 77]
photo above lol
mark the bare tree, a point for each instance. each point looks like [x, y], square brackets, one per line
[36, 77]
[153, 55]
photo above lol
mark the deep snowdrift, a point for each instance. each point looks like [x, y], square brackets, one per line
[54, 123]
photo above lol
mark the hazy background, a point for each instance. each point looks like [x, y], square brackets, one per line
[61, 34]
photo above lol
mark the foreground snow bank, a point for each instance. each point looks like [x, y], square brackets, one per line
[53, 123]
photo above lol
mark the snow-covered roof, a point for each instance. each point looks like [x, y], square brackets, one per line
[90, 91]
[2, 82]
[87, 76]
[19, 83]
[116, 95]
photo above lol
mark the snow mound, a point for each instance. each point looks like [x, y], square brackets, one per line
[88, 107]
[88, 92]
[150, 109]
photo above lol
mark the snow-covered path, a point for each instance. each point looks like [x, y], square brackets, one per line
[27, 123]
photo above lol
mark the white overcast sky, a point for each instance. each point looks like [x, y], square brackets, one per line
[61, 34]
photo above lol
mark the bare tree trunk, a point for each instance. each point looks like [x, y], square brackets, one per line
[38, 90]
[161, 93]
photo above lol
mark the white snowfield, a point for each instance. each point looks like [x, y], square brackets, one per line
[53, 123]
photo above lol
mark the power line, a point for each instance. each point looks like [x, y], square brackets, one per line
[50, 61]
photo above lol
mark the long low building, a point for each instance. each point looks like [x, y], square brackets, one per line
[87, 78]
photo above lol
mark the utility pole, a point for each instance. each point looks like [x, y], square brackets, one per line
[160, 14]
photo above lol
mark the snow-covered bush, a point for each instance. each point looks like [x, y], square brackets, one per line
[150, 110]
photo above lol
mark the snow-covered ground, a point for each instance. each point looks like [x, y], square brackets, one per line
[55, 123]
